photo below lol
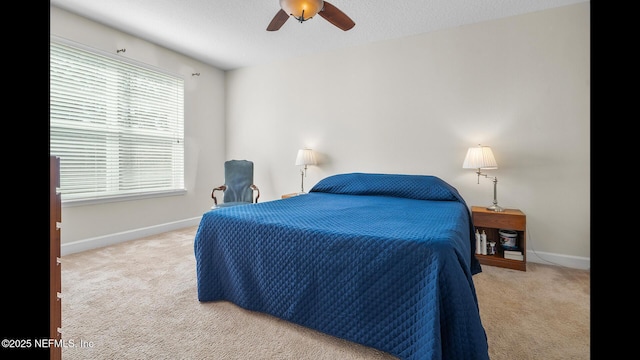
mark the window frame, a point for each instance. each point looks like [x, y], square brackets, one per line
[179, 187]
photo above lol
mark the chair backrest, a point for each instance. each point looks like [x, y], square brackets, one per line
[238, 176]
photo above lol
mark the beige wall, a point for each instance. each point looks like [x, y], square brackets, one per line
[93, 225]
[520, 85]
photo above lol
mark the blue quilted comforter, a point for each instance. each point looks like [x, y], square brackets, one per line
[384, 260]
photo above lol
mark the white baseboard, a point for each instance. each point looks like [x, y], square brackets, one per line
[111, 239]
[574, 262]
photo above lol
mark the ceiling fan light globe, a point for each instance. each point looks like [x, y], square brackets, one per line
[295, 8]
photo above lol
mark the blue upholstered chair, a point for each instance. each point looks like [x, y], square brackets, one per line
[238, 185]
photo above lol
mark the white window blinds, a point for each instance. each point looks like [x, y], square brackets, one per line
[117, 127]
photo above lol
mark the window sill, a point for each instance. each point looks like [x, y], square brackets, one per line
[118, 198]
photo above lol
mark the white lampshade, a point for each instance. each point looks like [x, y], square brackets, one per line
[295, 8]
[480, 157]
[306, 157]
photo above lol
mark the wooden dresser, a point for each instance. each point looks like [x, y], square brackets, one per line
[55, 283]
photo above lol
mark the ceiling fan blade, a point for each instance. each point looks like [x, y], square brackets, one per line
[278, 20]
[333, 15]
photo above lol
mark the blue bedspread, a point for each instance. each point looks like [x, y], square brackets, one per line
[383, 260]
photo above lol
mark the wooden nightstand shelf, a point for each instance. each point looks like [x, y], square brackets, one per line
[491, 222]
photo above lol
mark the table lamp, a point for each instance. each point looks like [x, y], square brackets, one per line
[481, 158]
[305, 157]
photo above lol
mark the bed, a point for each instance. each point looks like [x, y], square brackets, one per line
[384, 260]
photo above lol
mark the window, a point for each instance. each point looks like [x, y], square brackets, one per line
[117, 126]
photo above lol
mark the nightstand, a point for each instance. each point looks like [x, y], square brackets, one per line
[491, 222]
[285, 196]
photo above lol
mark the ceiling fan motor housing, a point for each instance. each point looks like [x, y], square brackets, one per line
[302, 10]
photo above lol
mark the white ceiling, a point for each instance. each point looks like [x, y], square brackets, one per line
[230, 34]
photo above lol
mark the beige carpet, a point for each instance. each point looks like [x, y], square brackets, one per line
[137, 300]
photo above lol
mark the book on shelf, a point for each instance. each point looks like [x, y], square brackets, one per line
[512, 252]
[514, 257]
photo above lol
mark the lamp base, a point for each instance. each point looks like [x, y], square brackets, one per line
[495, 208]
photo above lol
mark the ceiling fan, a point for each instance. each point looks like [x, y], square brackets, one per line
[303, 10]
